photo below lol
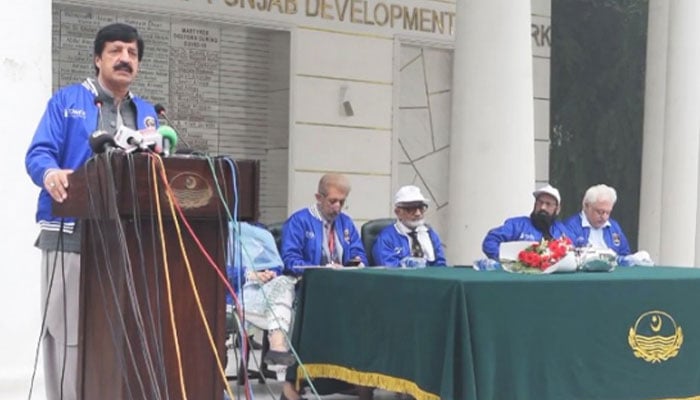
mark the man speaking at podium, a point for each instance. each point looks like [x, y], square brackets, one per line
[59, 146]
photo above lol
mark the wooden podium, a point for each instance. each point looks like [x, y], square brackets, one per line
[127, 346]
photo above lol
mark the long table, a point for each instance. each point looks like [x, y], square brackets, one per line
[455, 333]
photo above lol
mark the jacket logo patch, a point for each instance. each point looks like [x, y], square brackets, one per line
[346, 236]
[310, 234]
[616, 239]
[526, 236]
[74, 113]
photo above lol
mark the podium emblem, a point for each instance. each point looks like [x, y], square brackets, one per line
[191, 190]
[655, 337]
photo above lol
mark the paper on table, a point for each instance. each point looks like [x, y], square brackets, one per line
[566, 264]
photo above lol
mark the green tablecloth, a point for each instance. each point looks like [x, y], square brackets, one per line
[455, 333]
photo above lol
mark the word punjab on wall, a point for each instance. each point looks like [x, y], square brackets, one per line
[364, 12]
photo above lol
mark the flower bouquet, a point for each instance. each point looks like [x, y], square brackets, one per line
[545, 257]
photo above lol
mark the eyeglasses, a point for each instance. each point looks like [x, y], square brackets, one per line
[333, 201]
[600, 212]
[412, 209]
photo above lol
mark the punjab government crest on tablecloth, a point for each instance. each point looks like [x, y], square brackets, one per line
[655, 337]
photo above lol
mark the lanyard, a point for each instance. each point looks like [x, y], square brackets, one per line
[331, 243]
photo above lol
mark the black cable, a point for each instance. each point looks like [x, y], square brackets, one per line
[65, 315]
[49, 287]
[156, 325]
[112, 207]
[94, 219]
[131, 282]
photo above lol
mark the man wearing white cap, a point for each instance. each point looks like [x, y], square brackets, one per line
[540, 224]
[409, 237]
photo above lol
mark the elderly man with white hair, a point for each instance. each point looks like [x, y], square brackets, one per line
[409, 238]
[594, 228]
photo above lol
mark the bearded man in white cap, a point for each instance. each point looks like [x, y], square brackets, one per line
[541, 224]
[409, 237]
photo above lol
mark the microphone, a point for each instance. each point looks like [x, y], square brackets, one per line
[99, 102]
[128, 139]
[152, 140]
[169, 139]
[100, 141]
[160, 110]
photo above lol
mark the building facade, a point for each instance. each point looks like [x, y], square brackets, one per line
[361, 87]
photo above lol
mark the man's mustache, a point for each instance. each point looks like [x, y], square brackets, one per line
[123, 66]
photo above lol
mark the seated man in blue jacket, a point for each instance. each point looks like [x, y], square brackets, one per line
[541, 223]
[321, 234]
[409, 237]
[593, 225]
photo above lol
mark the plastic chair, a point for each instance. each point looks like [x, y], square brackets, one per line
[276, 230]
[260, 375]
[369, 232]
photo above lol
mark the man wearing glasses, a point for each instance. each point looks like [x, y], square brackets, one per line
[322, 234]
[594, 228]
[409, 242]
[541, 224]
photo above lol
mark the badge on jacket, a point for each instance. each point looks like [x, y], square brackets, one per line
[616, 239]
[526, 236]
[346, 235]
[149, 122]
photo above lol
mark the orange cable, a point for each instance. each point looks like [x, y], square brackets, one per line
[195, 291]
[168, 286]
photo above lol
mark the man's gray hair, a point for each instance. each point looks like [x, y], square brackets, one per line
[599, 192]
[337, 181]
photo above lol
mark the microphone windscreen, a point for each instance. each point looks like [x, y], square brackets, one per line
[100, 141]
[168, 133]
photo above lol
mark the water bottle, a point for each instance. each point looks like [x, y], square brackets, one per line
[412, 262]
[487, 264]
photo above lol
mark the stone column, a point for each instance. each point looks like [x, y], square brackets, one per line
[492, 156]
[653, 148]
[25, 79]
[679, 194]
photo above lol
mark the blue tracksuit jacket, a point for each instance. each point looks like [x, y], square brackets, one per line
[302, 240]
[613, 235]
[391, 246]
[518, 228]
[62, 138]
